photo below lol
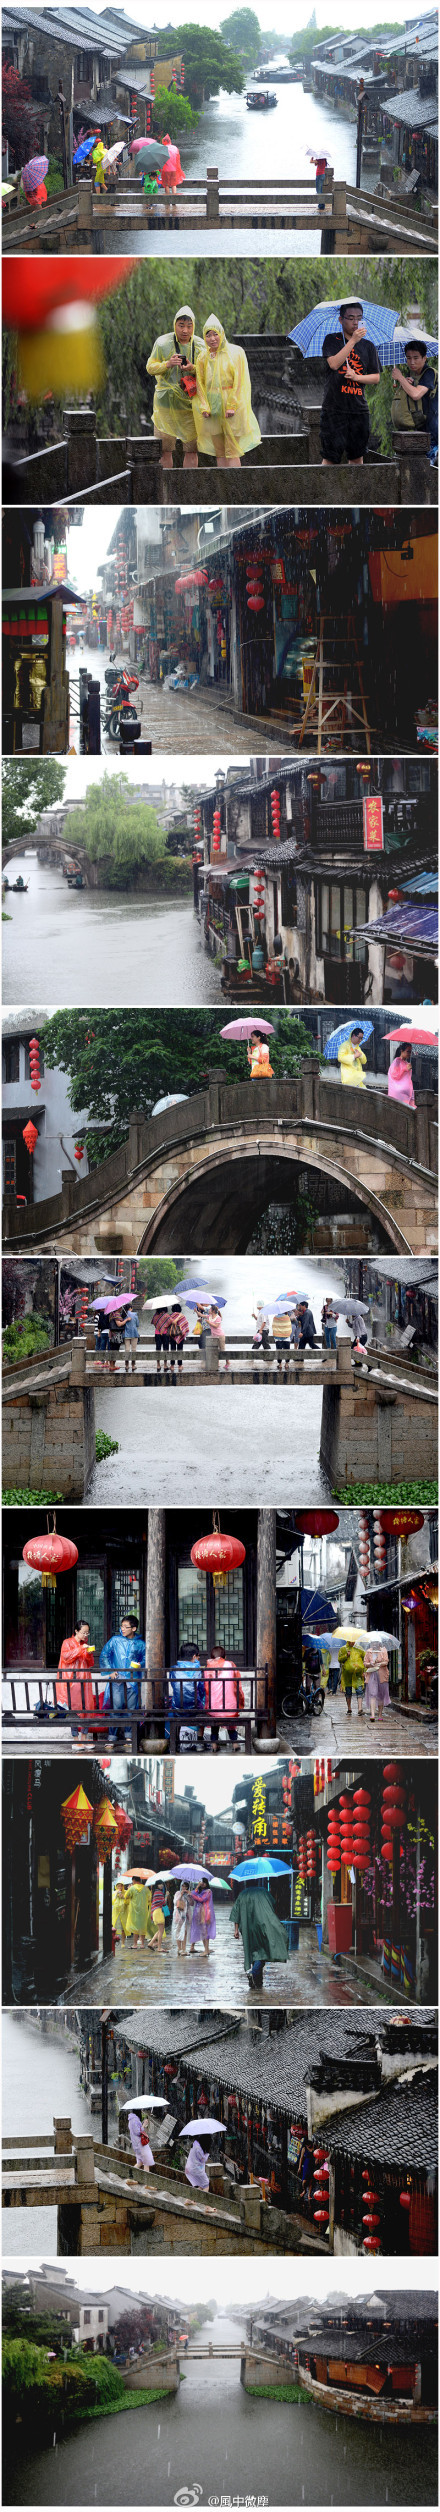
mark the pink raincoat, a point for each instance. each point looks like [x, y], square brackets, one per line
[400, 1081]
[222, 1689]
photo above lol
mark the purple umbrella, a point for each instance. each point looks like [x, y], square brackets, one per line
[34, 173]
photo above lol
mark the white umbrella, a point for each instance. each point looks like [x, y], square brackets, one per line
[209, 2128]
[145, 2102]
[111, 154]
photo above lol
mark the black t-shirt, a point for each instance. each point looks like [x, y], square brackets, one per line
[424, 411]
[339, 386]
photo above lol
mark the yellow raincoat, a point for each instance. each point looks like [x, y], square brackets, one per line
[138, 1920]
[351, 1065]
[173, 412]
[97, 157]
[224, 387]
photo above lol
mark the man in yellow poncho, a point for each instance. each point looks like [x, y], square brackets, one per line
[223, 414]
[351, 1059]
[173, 363]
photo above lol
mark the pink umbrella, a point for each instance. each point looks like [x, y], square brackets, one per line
[246, 1028]
[408, 1036]
[34, 173]
[123, 1300]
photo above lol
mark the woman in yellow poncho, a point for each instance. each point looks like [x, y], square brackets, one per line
[351, 1059]
[119, 1908]
[172, 360]
[97, 161]
[223, 414]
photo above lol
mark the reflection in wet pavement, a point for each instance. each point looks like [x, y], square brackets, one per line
[134, 1977]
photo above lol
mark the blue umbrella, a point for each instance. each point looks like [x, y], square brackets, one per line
[289, 1300]
[383, 325]
[262, 1868]
[338, 1036]
[84, 149]
[193, 1302]
[184, 1288]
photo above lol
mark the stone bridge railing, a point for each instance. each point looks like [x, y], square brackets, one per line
[410, 1136]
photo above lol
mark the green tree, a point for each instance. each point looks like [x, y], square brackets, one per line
[28, 787]
[209, 63]
[306, 42]
[242, 32]
[173, 113]
[120, 1060]
[108, 824]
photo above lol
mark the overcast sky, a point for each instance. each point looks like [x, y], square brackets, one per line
[287, 16]
[181, 770]
[239, 2281]
[214, 1786]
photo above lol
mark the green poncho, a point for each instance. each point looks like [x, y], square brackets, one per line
[263, 1936]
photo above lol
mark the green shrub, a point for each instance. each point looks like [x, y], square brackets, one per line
[105, 1447]
[424, 1495]
[26, 1336]
[19, 1496]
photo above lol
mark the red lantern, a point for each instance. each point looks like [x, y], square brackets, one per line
[79, 1151]
[316, 1521]
[30, 1137]
[371, 2242]
[361, 1797]
[218, 1552]
[320, 2215]
[50, 1554]
[216, 826]
[256, 602]
[34, 1064]
[401, 1522]
[405, 2199]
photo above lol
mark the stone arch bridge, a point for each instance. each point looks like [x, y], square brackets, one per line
[201, 1175]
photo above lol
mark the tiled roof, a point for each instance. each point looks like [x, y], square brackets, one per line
[269, 2069]
[419, 113]
[399, 2127]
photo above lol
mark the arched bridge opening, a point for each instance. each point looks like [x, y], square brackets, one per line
[226, 1202]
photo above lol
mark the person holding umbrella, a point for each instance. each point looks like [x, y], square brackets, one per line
[400, 1081]
[350, 362]
[351, 1059]
[173, 364]
[203, 1924]
[258, 1056]
[254, 1919]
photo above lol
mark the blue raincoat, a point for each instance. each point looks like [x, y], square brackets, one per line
[125, 1655]
[187, 1686]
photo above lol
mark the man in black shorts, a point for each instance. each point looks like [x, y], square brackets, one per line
[350, 362]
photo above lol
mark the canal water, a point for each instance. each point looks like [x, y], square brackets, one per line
[214, 2444]
[179, 1444]
[40, 2084]
[231, 138]
[98, 946]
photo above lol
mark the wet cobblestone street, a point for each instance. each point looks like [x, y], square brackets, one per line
[133, 1977]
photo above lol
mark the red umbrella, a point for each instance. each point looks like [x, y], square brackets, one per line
[409, 1037]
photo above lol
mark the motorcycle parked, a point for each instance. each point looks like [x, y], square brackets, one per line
[120, 684]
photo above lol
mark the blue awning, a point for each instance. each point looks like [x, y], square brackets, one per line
[415, 927]
[316, 1610]
[423, 885]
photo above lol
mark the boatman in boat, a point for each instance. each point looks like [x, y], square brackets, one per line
[350, 364]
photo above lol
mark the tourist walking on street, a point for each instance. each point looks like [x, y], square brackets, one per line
[216, 1329]
[181, 1920]
[261, 1069]
[140, 2142]
[162, 1336]
[282, 1335]
[202, 1919]
[351, 1660]
[264, 1940]
[376, 1668]
[329, 1320]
